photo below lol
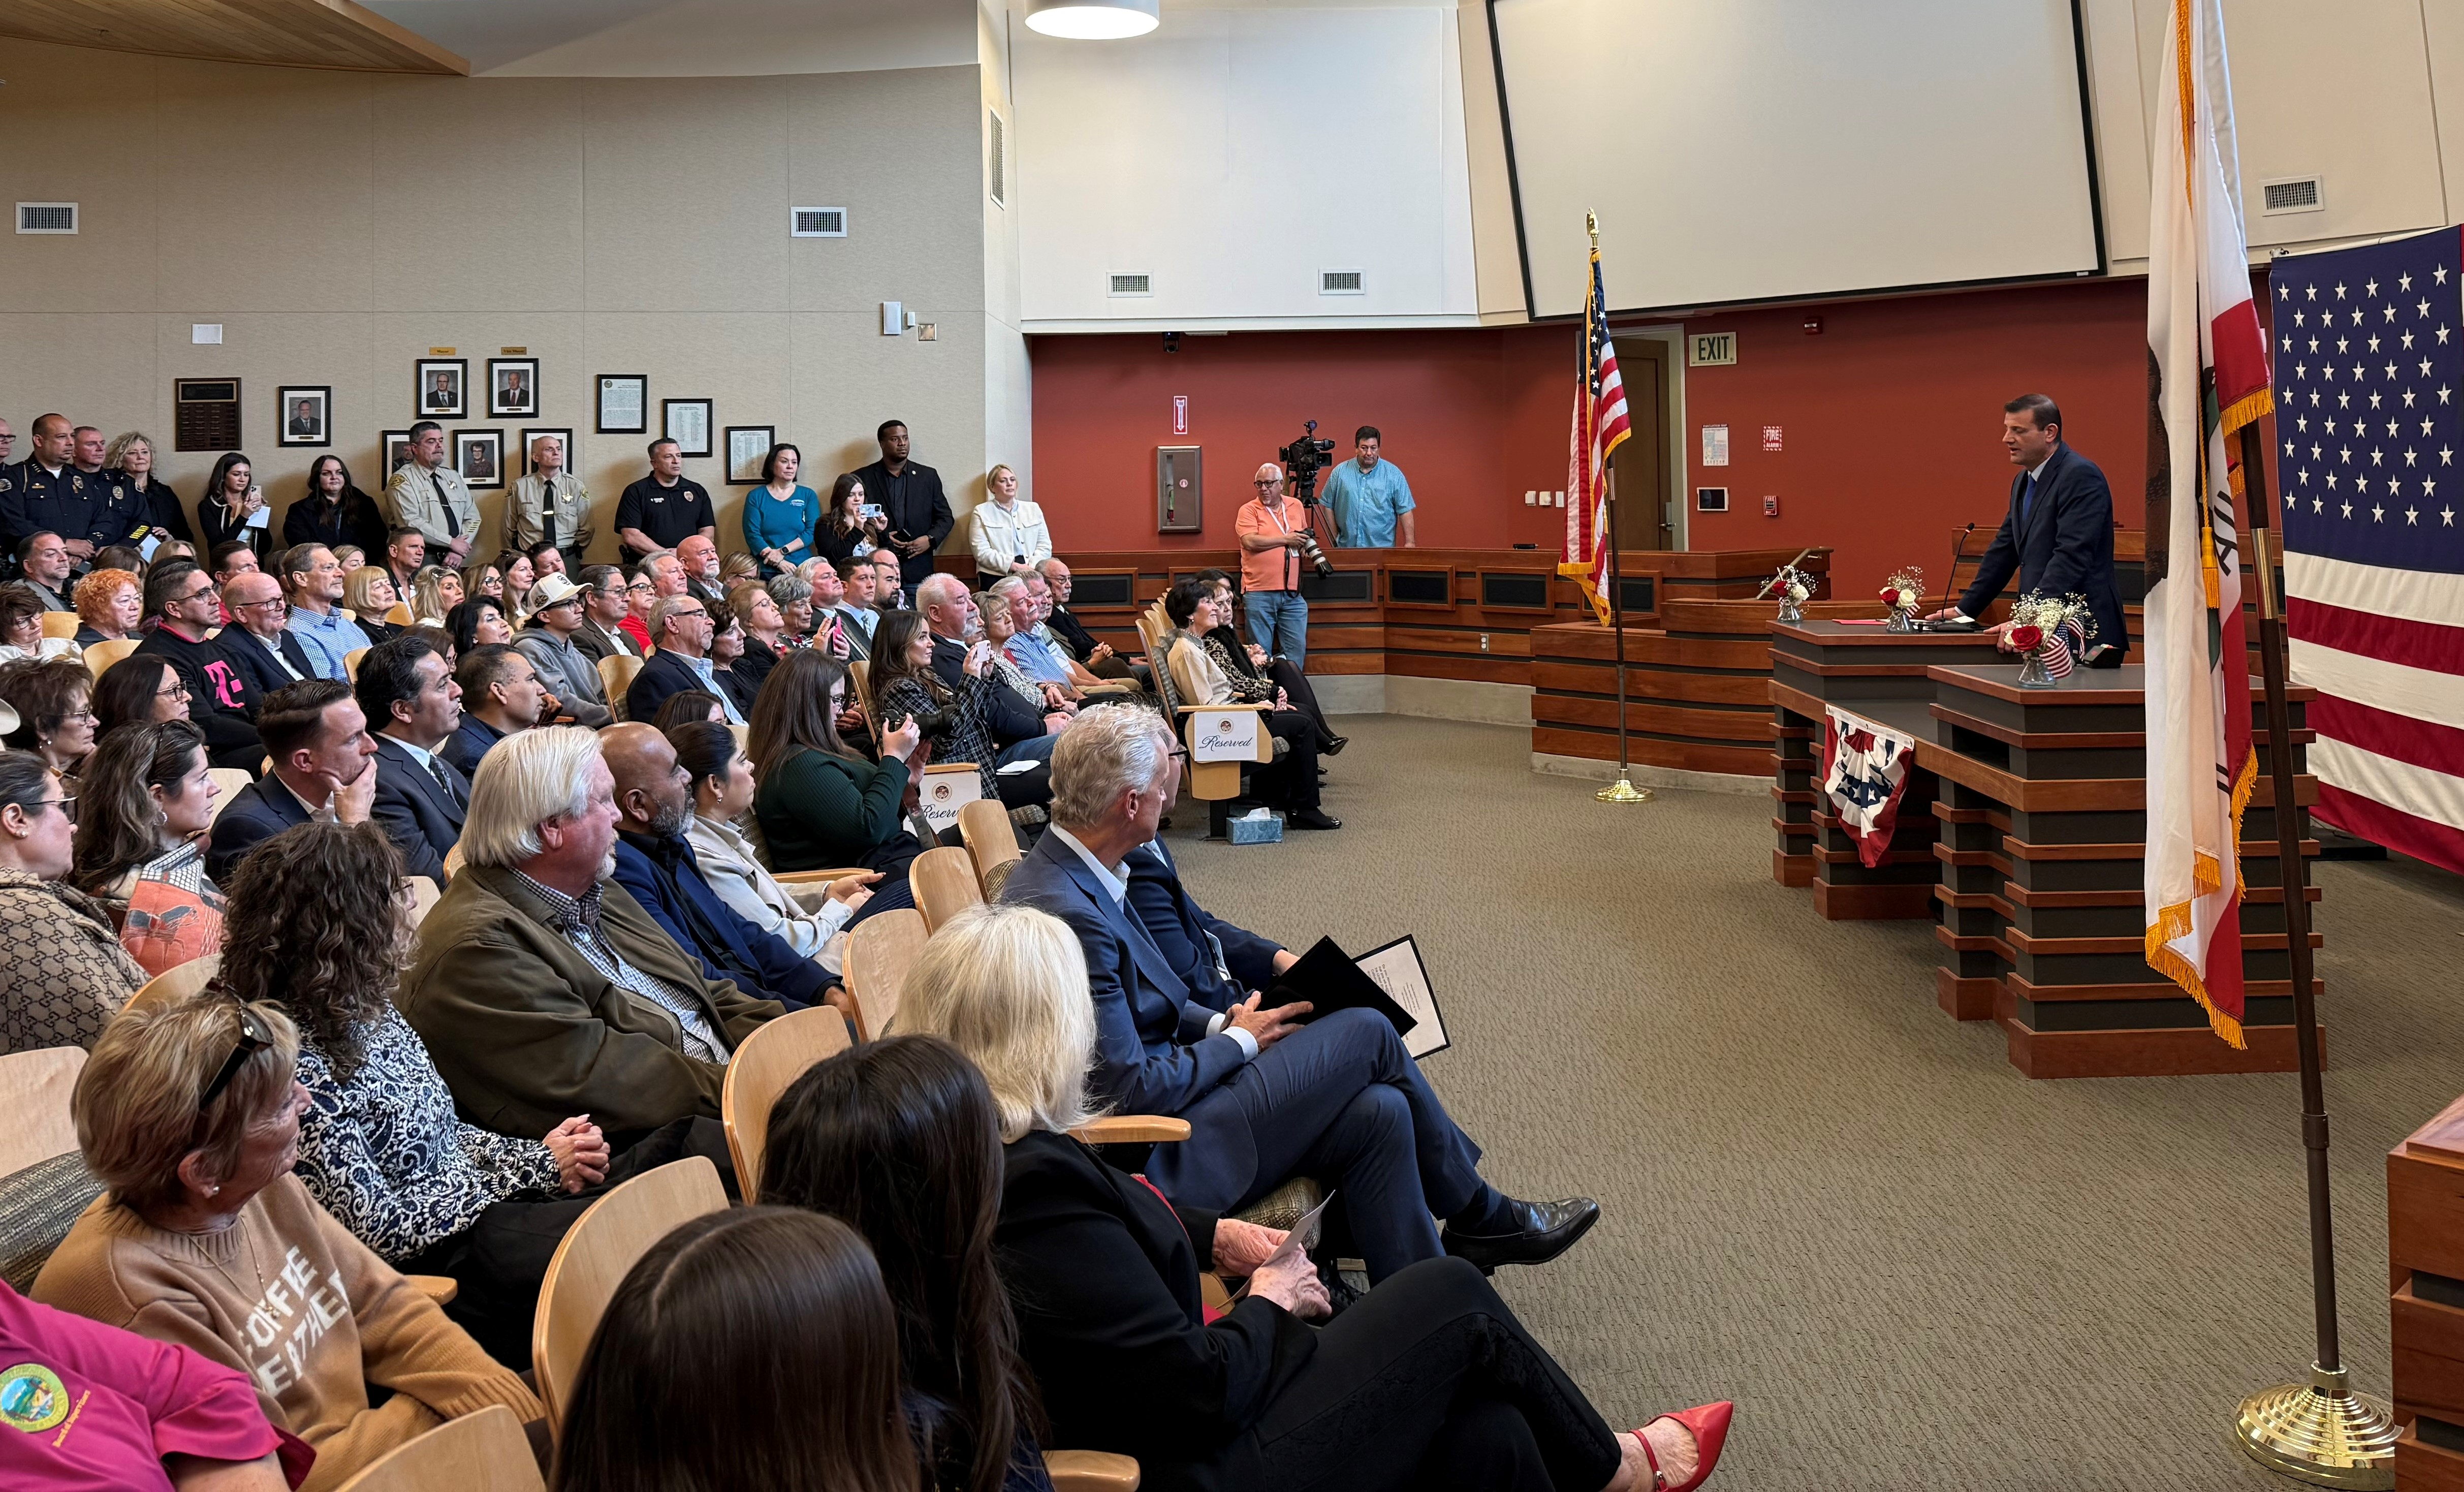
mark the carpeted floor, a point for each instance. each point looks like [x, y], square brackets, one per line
[1909, 1265]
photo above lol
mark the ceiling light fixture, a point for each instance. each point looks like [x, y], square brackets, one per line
[1091, 20]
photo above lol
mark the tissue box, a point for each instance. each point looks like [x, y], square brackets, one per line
[1263, 826]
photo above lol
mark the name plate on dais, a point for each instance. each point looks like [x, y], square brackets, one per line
[1224, 736]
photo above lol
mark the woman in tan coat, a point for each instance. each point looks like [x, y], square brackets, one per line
[83, 977]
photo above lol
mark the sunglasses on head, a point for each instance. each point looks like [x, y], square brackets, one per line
[255, 1037]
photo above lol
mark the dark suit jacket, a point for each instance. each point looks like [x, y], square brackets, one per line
[419, 816]
[469, 743]
[2065, 547]
[1153, 1054]
[258, 674]
[662, 675]
[258, 813]
[917, 508]
[1103, 1276]
[1181, 929]
[1009, 719]
[527, 1032]
[666, 879]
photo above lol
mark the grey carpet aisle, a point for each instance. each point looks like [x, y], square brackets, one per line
[1909, 1265]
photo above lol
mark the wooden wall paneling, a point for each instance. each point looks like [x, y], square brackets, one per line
[323, 33]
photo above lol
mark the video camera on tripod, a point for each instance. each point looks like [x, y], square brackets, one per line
[1303, 460]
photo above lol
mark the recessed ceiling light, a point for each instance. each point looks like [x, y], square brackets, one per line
[1091, 20]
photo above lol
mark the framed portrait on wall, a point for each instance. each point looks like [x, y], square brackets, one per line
[687, 423]
[303, 415]
[479, 455]
[623, 404]
[748, 446]
[530, 438]
[396, 446]
[512, 387]
[437, 387]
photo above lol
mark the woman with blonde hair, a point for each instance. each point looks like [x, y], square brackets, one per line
[1005, 532]
[110, 603]
[189, 1116]
[131, 454]
[434, 591]
[368, 591]
[1435, 1382]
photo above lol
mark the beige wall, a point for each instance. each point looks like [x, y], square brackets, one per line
[341, 224]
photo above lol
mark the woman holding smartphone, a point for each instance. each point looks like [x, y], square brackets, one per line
[852, 524]
[233, 506]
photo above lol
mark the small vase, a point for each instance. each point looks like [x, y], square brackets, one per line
[1789, 610]
[2033, 674]
[1902, 620]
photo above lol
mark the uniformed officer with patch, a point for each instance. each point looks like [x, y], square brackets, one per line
[431, 495]
[46, 492]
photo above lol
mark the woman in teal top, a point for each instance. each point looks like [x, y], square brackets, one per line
[820, 805]
[779, 515]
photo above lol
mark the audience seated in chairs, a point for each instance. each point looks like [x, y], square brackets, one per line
[369, 593]
[71, 975]
[720, 778]
[435, 592]
[726, 649]
[1096, 656]
[138, 691]
[477, 623]
[143, 808]
[190, 1114]
[407, 693]
[54, 712]
[753, 1348]
[1235, 653]
[681, 627]
[1266, 1098]
[655, 862]
[552, 643]
[263, 654]
[319, 931]
[604, 610]
[962, 721]
[110, 603]
[181, 599]
[502, 694]
[149, 1414]
[21, 627]
[1292, 782]
[320, 750]
[819, 804]
[1426, 1381]
[690, 706]
[544, 989]
[898, 1141]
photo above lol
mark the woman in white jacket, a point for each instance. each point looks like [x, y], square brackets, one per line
[1006, 531]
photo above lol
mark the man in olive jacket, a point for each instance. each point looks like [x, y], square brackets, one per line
[540, 986]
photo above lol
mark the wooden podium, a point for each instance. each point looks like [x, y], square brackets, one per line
[2043, 799]
[2426, 1257]
[1881, 676]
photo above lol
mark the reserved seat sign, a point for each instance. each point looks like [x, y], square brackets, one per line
[1223, 736]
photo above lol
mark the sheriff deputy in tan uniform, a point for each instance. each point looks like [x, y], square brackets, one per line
[432, 497]
[550, 505]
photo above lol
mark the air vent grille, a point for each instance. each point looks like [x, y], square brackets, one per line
[818, 223]
[1132, 285]
[1342, 282]
[47, 217]
[2295, 195]
[1000, 171]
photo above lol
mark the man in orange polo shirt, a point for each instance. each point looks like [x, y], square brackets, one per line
[1272, 529]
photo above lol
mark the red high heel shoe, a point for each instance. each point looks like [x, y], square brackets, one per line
[1709, 1424]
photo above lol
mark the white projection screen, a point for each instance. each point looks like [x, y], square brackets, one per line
[1759, 149]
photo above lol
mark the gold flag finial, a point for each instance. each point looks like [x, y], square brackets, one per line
[1591, 226]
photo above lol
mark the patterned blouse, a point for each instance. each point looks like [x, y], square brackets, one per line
[1246, 687]
[81, 978]
[385, 1154]
[965, 738]
[170, 911]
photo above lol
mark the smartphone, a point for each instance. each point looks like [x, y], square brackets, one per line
[872, 512]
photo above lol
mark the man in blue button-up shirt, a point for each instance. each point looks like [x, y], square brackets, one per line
[1370, 497]
[312, 582]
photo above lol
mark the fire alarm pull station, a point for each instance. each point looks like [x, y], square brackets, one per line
[1770, 508]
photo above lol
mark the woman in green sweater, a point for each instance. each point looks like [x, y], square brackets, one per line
[820, 804]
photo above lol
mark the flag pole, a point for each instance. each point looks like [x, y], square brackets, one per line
[1623, 790]
[2320, 1431]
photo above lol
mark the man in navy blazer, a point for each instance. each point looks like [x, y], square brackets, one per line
[1266, 1097]
[263, 653]
[2059, 534]
[681, 628]
[320, 747]
[412, 700]
[654, 862]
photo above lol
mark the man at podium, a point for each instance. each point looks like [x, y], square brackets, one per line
[2058, 533]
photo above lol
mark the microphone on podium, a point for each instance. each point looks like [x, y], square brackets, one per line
[1949, 582]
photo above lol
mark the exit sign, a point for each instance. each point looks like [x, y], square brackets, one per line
[1710, 348]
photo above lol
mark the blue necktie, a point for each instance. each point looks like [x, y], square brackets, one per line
[2027, 498]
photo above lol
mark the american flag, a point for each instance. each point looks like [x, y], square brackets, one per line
[1600, 429]
[2369, 431]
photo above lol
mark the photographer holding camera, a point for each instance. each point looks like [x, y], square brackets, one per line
[1274, 532]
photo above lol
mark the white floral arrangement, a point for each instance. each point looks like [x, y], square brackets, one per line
[1793, 583]
[1904, 590]
[2035, 618]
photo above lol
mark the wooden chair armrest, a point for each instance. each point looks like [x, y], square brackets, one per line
[1212, 709]
[1109, 687]
[816, 878]
[1132, 1130]
[436, 1287]
[1091, 1471]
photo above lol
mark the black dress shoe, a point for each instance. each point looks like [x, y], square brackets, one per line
[1335, 745]
[1548, 1230]
[1311, 818]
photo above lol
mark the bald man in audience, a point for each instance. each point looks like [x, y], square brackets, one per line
[697, 556]
[258, 643]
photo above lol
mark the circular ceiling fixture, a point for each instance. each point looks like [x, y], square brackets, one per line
[1091, 20]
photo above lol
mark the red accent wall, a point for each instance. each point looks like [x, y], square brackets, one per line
[1890, 420]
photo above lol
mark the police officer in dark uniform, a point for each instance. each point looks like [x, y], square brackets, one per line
[121, 509]
[46, 492]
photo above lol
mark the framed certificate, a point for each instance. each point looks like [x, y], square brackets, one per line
[623, 404]
[687, 423]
